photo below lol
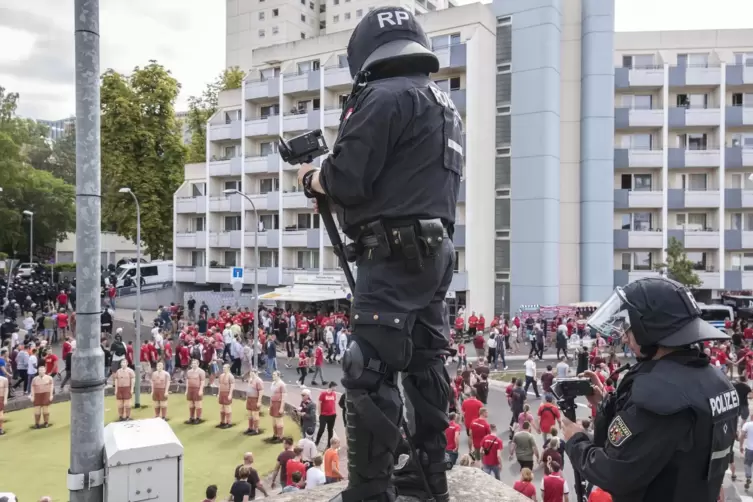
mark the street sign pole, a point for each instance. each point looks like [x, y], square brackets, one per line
[236, 280]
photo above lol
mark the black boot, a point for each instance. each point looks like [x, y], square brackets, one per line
[412, 477]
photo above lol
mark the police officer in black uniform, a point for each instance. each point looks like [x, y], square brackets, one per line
[667, 433]
[395, 173]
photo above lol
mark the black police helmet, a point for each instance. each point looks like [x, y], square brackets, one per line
[390, 34]
[663, 312]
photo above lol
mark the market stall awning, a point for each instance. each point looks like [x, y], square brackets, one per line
[310, 289]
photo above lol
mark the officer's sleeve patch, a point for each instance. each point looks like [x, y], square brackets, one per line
[618, 432]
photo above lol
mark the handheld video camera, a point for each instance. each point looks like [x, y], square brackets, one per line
[304, 148]
[565, 390]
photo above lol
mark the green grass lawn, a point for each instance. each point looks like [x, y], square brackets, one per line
[33, 463]
[506, 376]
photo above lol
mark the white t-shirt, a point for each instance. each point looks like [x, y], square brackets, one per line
[562, 369]
[28, 323]
[32, 369]
[315, 477]
[309, 449]
[530, 367]
[748, 429]
[492, 342]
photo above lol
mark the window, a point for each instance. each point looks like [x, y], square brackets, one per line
[744, 58]
[275, 12]
[267, 185]
[306, 105]
[232, 115]
[698, 259]
[503, 110]
[347, 15]
[271, 110]
[322, 8]
[447, 85]
[743, 140]
[642, 222]
[694, 182]
[303, 18]
[233, 185]
[748, 262]
[691, 221]
[308, 220]
[261, 34]
[198, 189]
[268, 259]
[261, 16]
[197, 259]
[638, 61]
[335, 19]
[442, 41]
[626, 222]
[504, 21]
[637, 102]
[504, 68]
[322, 25]
[695, 141]
[748, 222]
[198, 224]
[698, 59]
[337, 2]
[627, 260]
[642, 260]
[342, 60]
[303, 36]
[308, 259]
[695, 101]
[430, 6]
[232, 223]
[637, 182]
[742, 99]
[503, 151]
[231, 258]
[275, 30]
[307, 66]
[639, 141]
[267, 148]
[359, 13]
[229, 152]
[342, 99]
[268, 73]
[269, 222]
[311, 5]
[149, 271]
[736, 221]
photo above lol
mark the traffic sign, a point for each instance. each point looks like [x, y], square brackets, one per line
[237, 274]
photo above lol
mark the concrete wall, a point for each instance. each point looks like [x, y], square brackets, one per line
[116, 246]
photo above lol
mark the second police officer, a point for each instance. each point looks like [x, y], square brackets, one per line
[667, 433]
[394, 173]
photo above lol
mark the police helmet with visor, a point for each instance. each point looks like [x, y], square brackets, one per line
[659, 312]
[390, 35]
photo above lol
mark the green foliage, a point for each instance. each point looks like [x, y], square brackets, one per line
[23, 147]
[141, 150]
[60, 267]
[201, 108]
[678, 266]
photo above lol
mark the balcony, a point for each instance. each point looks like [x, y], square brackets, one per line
[625, 158]
[263, 126]
[226, 167]
[651, 76]
[295, 238]
[738, 116]
[623, 277]
[737, 240]
[225, 204]
[300, 121]
[195, 275]
[680, 158]
[736, 280]
[681, 117]
[301, 82]
[709, 280]
[332, 117]
[451, 56]
[191, 204]
[737, 156]
[252, 274]
[458, 98]
[250, 239]
[191, 240]
[220, 274]
[229, 239]
[225, 132]
[678, 198]
[739, 75]
[337, 76]
[638, 117]
[262, 164]
[296, 200]
[262, 88]
[631, 199]
[695, 239]
[703, 75]
[638, 239]
[737, 198]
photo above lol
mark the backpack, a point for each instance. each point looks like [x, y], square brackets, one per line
[196, 352]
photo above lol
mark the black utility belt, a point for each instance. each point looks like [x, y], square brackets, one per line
[409, 240]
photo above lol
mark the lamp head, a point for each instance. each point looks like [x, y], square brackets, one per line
[29, 213]
[230, 191]
[125, 190]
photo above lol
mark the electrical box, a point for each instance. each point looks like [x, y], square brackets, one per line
[143, 462]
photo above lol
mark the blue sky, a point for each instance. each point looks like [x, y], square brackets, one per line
[188, 37]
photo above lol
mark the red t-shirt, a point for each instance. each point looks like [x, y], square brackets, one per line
[478, 342]
[302, 359]
[319, 356]
[67, 349]
[168, 350]
[292, 466]
[144, 354]
[303, 327]
[721, 356]
[481, 323]
[129, 355]
[63, 299]
[62, 320]
[328, 401]
[548, 415]
[461, 350]
[458, 323]
[526, 488]
[491, 444]
[748, 333]
[479, 429]
[184, 356]
[450, 433]
[470, 410]
[51, 363]
[472, 321]
[599, 495]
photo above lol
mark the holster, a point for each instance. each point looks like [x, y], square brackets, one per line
[411, 240]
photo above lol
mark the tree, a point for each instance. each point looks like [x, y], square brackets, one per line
[62, 162]
[678, 266]
[201, 108]
[141, 150]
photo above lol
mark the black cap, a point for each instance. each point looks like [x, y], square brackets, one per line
[389, 33]
[664, 312]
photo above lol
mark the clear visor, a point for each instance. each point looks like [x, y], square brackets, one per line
[611, 318]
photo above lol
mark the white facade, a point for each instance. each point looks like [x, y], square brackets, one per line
[684, 153]
[306, 82]
[113, 248]
[252, 24]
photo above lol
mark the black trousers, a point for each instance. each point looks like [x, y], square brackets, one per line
[399, 325]
[327, 421]
[302, 372]
[23, 377]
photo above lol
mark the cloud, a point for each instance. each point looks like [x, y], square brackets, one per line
[186, 36]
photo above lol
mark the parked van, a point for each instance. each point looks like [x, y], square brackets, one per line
[156, 272]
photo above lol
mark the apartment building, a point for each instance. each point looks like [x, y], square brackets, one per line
[683, 154]
[59, 128]
[252, 24]
[185, 130]
[299, 86]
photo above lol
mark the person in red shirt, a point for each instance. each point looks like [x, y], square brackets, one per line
[481, 324]
[169, 356]
[184, 359]
[62, 301]
[145, 365]
[459, 324]
[470, 409]
[303, 367]
[62, 323]
[67, 347]
[318, 363]
[327, 413]
[548, 414]
[452, 433]
[295, 465]
[553, 486]
[748, 333]
[462, 360]
[51, 364]
[472, 322]
[480, 345]
[525, 484]
[303, 326]
[491, 449]
[479, 429]
[129, 355]
[599, 495]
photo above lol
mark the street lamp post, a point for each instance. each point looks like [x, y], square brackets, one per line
[30, 214]
[255, 324]
[137, 348]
